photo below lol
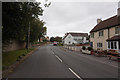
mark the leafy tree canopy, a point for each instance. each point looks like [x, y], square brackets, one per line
[18, 17]
[58, 39]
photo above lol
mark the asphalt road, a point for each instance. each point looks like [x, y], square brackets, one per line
[56, 62]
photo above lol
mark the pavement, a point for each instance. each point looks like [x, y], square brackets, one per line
[57, 62]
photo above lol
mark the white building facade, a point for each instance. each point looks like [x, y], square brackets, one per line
[75, 38]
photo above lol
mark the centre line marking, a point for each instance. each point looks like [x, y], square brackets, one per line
[52, 52]
[75, 74]
[58, 58]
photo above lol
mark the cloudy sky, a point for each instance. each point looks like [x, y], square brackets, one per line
[62, 17]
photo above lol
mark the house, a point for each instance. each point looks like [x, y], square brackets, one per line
[75, 38]
[106, 34]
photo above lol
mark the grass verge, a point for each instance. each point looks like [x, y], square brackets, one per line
[9, 58]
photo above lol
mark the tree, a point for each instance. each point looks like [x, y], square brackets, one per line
[42, 32]
[58, 39]
[11, 21]
[16, 18]
[52, 39]
[37, 30]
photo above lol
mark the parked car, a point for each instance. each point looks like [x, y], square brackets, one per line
[54, 43]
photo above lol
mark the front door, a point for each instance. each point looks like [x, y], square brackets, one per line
[91, 44]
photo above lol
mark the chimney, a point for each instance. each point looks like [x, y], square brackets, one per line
[118, 12]
[98, 21]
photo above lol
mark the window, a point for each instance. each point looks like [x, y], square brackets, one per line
[108, 44]
[117, 30]
[69, 42]
[92, 35]
[100, 33]
[119, 45]
[112, 45]
[115, 45]
[99, 45]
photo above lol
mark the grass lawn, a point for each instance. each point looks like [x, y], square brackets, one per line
[9, 58]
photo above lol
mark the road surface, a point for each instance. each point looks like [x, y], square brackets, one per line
[56, 62]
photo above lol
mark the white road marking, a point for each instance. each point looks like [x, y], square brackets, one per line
[75, 74]
[52, 52]
[58, 58]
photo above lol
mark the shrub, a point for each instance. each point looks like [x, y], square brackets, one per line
[73, 43]
[89, 48]
[83, 48]
[60, 44]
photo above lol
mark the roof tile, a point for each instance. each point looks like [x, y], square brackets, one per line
[110, 22]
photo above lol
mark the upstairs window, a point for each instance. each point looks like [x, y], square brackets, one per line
[117, 30]
[100, 33]
[92, 35]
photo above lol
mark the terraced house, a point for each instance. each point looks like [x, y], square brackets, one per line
[106, 34]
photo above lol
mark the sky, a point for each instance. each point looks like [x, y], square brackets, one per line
[70, 16]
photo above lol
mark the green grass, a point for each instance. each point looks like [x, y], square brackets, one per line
[10, 58]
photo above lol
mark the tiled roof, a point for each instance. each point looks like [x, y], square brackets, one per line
[114, 38]
[65, 36]
[80, 34]
[111, 22]
[76, 34]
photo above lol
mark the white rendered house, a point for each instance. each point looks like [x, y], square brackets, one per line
[75, 38]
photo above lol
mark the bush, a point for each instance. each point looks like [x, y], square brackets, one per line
[89, 48]
[60, 44]
[83, 47]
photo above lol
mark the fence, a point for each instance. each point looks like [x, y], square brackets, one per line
[74, 48]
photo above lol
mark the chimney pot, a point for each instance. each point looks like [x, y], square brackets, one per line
[118, 11]
[99, 20]
[119, 4]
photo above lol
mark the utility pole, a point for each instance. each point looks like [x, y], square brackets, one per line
[28, 36]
